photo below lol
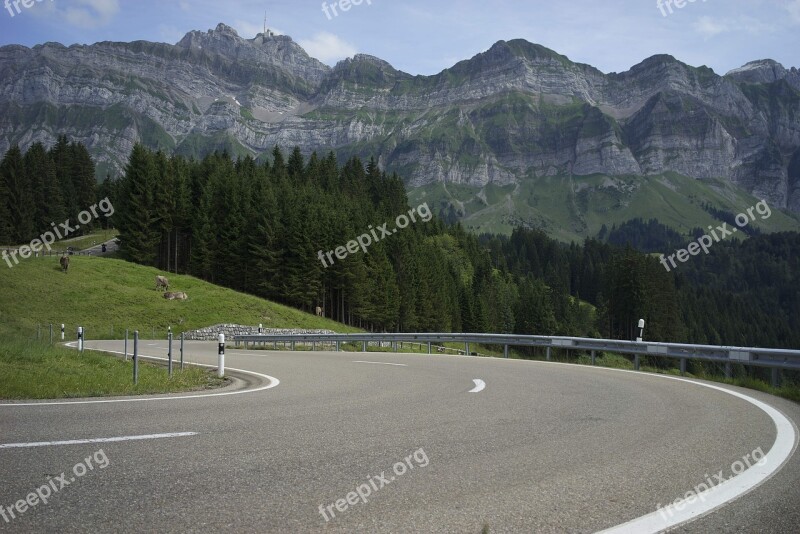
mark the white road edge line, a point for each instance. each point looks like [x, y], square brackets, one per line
[383, 363]
[274, 382]
[480, 385]
[707, 501]
[96, 440]
[782, 449]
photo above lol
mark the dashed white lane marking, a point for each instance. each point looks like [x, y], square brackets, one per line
[383, 363]
[274, 382]
[480, 385]
[96, 440]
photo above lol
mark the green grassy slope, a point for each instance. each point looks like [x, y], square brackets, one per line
[100, 293]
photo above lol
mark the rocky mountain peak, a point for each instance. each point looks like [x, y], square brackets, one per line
[225, 29]
[264, 50]
[765, 71]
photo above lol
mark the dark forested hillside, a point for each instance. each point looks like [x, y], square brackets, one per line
[650, 236]
[264, 228]
[744, 292]
[43, 186]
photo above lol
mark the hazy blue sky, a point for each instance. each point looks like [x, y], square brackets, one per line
[426, 36]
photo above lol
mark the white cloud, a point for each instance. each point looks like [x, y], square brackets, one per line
[793, 8]
[91, 13]
[710, 27]
[328, 47]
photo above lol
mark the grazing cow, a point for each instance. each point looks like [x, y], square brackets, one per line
[64, 263]
[179, 295]
[162, 283]
[320, 311]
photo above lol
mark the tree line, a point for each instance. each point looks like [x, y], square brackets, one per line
[44, 186]
[258, 226]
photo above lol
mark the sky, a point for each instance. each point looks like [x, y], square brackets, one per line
[427, 36]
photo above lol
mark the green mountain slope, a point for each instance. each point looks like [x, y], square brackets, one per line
[573, 208]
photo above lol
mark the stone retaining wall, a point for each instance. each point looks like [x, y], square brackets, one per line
[210, 333]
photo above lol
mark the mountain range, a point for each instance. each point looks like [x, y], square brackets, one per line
[517, 135]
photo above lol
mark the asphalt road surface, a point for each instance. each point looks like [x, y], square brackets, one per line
[415, 443]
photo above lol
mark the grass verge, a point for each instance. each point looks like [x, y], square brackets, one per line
[31, 370]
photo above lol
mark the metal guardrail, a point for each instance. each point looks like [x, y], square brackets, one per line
[749, 356]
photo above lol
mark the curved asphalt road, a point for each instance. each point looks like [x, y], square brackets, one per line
[541, 448]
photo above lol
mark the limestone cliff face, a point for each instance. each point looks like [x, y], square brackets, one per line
[515, 112]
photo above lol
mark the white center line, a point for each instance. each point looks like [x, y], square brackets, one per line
[480, 385]
[95, 440]
[384, 363]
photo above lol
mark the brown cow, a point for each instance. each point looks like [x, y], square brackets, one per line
[162, 283]
[64, 263]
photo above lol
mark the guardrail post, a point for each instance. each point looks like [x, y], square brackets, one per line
[683, 366]
[169, 353]
[505, 351]
[135, 357]
[728, 370]
[466, 348]
[292, 345]
[182, 338]
[775, 378]
[429, 347]
[593, 357]
[636, 362]
[549, 354]
[338, 346]
[313, 345]
[221, 356]
[80, 339]
[363, 346]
